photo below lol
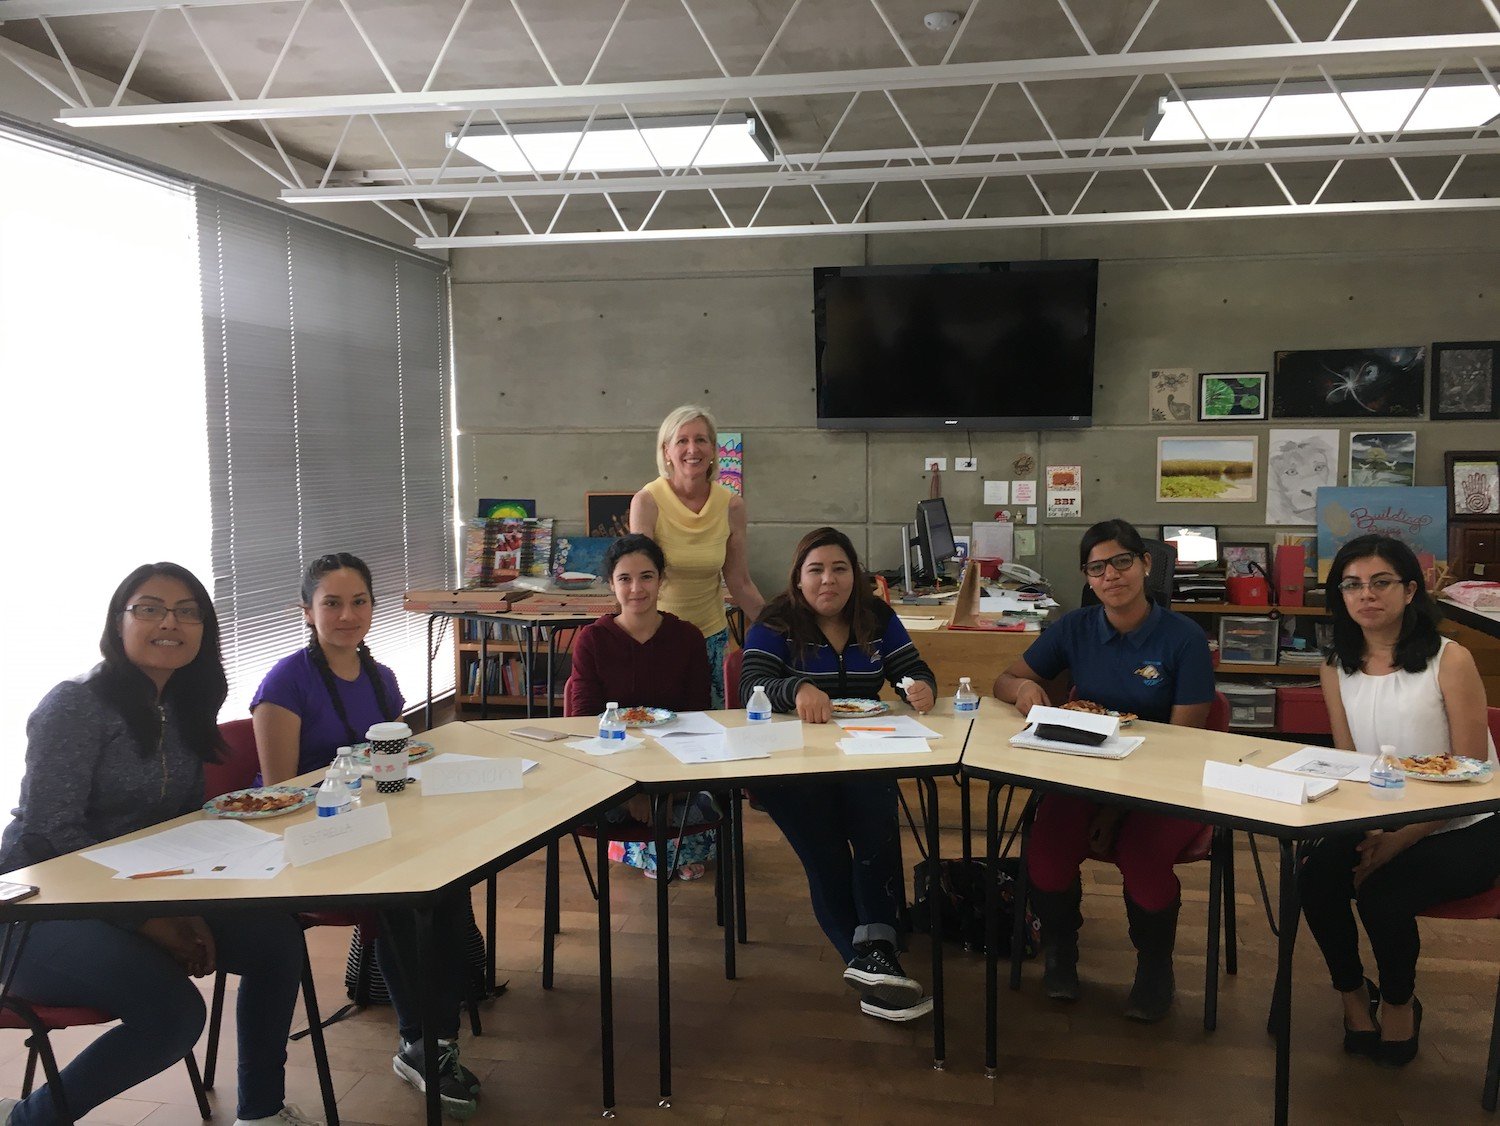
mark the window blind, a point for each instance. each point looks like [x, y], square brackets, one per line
[327, 361]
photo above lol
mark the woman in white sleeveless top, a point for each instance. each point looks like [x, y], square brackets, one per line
[1391, 678]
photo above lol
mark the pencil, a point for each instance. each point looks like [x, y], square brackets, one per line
[853, 728]
[163, 872]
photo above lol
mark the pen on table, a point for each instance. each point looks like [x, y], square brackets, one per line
[1250, 755]
[163, 872]
[851, 727]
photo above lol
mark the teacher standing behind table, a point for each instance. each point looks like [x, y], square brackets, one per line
[700, 525]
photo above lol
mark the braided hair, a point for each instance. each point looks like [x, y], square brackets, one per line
[320, 567]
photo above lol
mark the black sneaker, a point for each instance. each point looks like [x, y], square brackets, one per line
[877, 974]
[458, 1087]
[873, 1007]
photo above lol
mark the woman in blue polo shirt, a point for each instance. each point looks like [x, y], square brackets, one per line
[1132, 655]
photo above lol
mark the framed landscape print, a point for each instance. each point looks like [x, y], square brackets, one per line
[1349, 383]
[1231, 396]
[1207, 469]
[1466, 380]
[1388, 458]
[1473, 479]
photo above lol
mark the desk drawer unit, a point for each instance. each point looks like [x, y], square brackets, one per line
[1250, 706]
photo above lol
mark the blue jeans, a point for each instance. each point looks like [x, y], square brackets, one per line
[99, 965]
[396, 949]
[849, 841]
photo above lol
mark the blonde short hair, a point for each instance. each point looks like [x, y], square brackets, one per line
[675, 422]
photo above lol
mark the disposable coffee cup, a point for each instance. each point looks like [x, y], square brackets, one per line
[388, 755]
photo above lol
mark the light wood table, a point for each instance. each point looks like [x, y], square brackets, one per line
[1166, 774]
[659, 773]
[437, 847]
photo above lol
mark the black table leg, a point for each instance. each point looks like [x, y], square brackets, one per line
[551, 658]
[491, 898]
[662, 805]
[934, 890]
[742, 930]
[965, 819]
[530, 666]
[551, 911]
[1023, 891]
[725, 878]
[992, 931]
[1282, 1002]
[484, 672]
[1215, 918]
[606, 975]
[431, 656]
[427, 959]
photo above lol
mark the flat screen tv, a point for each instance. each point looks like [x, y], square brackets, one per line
[973, 346]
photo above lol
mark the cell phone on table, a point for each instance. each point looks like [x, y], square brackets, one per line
[540, 734]
[11, 893]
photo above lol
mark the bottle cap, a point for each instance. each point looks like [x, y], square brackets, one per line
[611, 704]
[1387, 749]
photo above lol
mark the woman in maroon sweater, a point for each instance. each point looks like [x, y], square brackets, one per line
[645, 657]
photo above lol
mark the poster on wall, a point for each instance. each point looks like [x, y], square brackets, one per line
[1064, 492]
[1386, 458]
[1170, 394]
[1350, 383]
[1206, 469]
[1300, 463]
[732, 462]
[1417, 516]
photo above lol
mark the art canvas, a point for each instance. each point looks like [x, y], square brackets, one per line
[1170, 395]
[1384, 458]
[1475, 482]
[491, 508]
[1466, 380]
[584, 554]
[1350, 383]
[1299, 463]
[1416, 515]
[1229, 396]
[732, 462]
[607, 514]
[1206, 469]
[1238, 557]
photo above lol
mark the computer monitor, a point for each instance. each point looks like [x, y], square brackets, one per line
[934, 538]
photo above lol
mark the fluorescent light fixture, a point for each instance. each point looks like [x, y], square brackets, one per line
[617, 145]
[1311, 109]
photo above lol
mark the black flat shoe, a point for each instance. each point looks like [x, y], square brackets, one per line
[1365, 1043]
[1399, 1053]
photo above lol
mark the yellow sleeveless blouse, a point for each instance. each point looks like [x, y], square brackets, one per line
[694, 544]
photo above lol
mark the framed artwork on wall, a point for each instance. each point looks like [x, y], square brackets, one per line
[1170, 395]
[1349, 383]
[607, 514]
[1207, 469]
[1466, 380]
[1225, 396]
[1386, 458]
[1238, 557]
[1298, 464]
[1473, 480]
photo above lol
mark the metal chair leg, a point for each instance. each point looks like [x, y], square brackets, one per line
[1492, 1068]
[215, 1024]
[1211, 963]
[204, 1110]
[30, 1078]
[315, 1034]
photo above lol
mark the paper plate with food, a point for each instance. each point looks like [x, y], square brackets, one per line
[848, 707]
[641, 716]
[575, 580]
[1445, 768]
[416, 751]
[1125, 718]
[259, 801]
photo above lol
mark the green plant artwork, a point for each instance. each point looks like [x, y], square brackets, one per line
[1232, 397]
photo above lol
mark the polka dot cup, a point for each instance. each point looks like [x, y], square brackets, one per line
[388, 755]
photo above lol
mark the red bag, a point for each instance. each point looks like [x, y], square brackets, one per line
[1249, 590]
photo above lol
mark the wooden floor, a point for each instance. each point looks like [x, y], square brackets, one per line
[786, 1041]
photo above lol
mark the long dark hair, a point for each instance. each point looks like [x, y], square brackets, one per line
[633, 544]
[1419, 640]
[316, 570]
[194, 692]
[788, 613]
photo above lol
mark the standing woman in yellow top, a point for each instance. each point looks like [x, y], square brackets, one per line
[700, 525]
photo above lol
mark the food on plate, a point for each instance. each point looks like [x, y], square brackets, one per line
[264, 801]
[1430, 764]
[639, 715]
[1096, 709]
[858, 707]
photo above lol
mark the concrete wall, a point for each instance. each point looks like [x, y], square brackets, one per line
[567, 358]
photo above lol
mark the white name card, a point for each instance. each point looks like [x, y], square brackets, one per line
[1242, 778]
[329, 836]
[1106, 725]
[449, 775]
[757, 739]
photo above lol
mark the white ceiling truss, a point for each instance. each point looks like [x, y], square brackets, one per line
[988, 143]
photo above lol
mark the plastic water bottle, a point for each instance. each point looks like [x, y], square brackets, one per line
[758, 710]
[1387, 779]
[611, 725]
[965, 699]
[333, 794]
[349, 774]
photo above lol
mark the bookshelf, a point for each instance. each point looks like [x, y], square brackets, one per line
[507, 679]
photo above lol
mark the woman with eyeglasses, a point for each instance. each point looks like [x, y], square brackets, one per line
[118, 750]
[324, 696]
[1391, 678]
[1131, 655]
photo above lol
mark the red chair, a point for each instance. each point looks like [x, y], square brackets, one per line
[39, 1020]
[1214, 844]
[734, 660]
[1485, 905]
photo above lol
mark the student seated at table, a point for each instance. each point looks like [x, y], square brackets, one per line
[644, 657]
[827, 636]
[326, 696]
[1132, 655]
[1391, 678]
[117, 750]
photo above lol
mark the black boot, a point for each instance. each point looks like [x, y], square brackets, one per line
[1154, 933]
[1060, 918]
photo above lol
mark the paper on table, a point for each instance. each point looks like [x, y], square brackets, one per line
[1321, 762]
[902, 727]
[1242, 778]
[691, 749]
[600, 747]
[921, 624]
[257, 862]
[901, 745]
[454, 756]
[187, 846]
[689, 723]
[1117, 747]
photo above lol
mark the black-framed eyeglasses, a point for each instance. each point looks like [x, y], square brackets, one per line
[155, 612]
[1094, 569]
[1379, 586]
